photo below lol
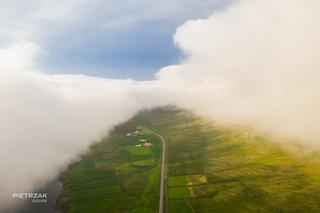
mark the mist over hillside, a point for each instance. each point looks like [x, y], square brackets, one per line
[254, 63]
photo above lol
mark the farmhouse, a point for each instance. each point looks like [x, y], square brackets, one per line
[147, 144]
[134, 133]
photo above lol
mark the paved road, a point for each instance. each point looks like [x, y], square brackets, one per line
[162, 173]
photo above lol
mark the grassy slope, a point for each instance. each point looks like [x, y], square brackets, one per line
[114, 176]
[210, 169]
[232, 170]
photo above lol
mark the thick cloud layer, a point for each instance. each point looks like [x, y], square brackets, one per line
[47, 120]
[255, 63]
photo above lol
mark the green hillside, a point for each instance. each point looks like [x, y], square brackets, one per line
[209, 169]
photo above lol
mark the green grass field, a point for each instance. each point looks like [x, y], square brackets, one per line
[115, 175]
[209, 169]
[177, 181]
[138, 150]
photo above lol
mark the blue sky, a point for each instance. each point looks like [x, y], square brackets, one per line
[135, 53]
[127, 39]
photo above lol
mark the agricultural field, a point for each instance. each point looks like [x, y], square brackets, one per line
[209, 168]
[117, 174]
[212, 168]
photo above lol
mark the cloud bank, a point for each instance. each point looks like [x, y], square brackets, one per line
[255, 63]
[48, 120]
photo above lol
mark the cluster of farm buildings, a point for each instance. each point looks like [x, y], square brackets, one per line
[142, 142]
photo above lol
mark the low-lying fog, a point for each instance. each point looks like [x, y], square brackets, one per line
[254, 63]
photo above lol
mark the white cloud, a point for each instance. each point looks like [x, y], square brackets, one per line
[18, 56]
[47, 120]
[255, 63]
[44, 20]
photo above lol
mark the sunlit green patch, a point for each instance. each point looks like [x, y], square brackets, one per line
[196, 180]
[177, 181]
[145, 163]
[138, 150]
[178, 192]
